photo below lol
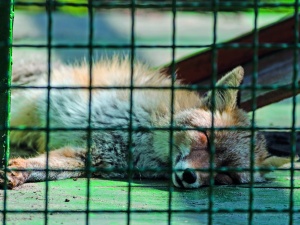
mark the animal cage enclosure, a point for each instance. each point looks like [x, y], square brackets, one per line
[267, 50]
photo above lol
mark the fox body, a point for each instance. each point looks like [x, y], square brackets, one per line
[69, 108]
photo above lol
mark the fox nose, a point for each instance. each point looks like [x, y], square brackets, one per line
[189, 176]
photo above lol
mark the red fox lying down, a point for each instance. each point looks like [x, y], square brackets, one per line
[110, 108]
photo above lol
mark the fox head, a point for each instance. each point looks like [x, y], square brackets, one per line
[232, 148]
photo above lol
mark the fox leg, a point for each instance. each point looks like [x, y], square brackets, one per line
[67, 159]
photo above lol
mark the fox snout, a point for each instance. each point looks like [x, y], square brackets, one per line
[192, 171]
[188, 172]
[186, 179]
[188, 167]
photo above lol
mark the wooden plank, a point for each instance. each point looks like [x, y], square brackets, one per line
[273, 70]
[275, 65]
[198, 67]
[152, 195]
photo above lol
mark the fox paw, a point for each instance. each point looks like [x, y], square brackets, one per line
[14, 178]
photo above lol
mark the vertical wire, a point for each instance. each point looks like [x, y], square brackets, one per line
[130, 128]
[293, 127]
[6, 70]
[49, 54]
[89, 131]
[171, 137]
[213, 108]
[253, 124]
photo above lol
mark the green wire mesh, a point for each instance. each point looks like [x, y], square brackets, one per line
[173, 6]
[6, 17]
[6, 24]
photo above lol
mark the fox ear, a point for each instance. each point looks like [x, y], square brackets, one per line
[225, 99]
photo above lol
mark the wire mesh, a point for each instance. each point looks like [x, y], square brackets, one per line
[172, 6]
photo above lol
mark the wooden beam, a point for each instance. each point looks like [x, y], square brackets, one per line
[198, 67]
[275, 71]
[274, 80]
[275, 65]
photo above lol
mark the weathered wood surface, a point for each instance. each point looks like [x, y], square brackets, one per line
[275, 65]
[275, 77]
[197, 68]
[274, 80]
[146, 195]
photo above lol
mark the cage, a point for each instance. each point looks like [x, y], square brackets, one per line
[194, 41]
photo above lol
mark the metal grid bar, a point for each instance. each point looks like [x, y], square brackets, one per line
[171, 136]
[253, 96]
[209, 5]
[89, 134]
[130, 122]
[6, 25]
[6, 18]
[213, 82]
[293, 125]
[133, 5]
[48, 5]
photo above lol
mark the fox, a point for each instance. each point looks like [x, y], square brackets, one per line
[116, 119]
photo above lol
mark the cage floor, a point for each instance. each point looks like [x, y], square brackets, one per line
[112, 196]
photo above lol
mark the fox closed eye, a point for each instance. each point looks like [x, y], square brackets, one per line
[178, 158]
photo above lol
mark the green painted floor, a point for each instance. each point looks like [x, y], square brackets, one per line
[112, 196]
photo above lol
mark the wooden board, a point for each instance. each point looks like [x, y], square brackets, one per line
[275, 65]
[271, 201]
[275, 77]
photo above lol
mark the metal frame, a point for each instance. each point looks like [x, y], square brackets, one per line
[6, 9]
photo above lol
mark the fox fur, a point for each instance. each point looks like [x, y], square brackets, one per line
[72, 110]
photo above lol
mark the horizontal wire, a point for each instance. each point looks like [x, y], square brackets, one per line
[278, 46]
[193, 87]
[158, 5]
[146, 128]
[214, 210]
[108, 170]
